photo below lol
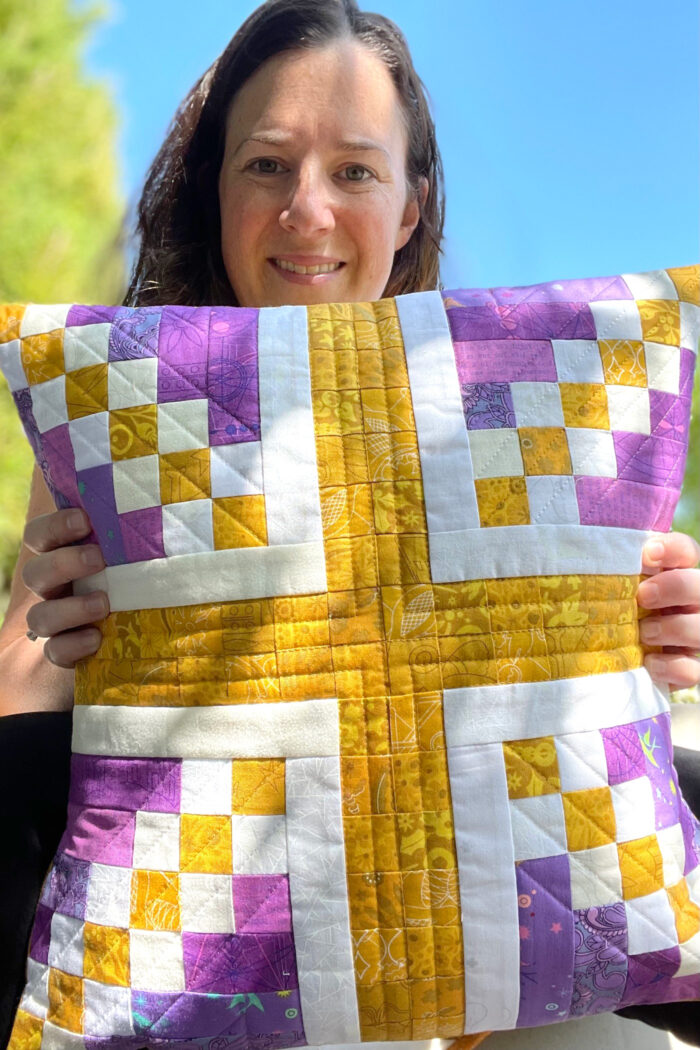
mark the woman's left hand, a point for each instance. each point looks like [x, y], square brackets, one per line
[673, 592]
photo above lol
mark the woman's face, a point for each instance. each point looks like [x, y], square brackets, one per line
[313, 176]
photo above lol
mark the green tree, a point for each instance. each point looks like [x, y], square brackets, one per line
[60, 201]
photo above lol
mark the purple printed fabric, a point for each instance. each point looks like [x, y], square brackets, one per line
[494, 361]
[183, 353]
[600, 959]
[274, 1017]
[529, 320]
[134, 334]
[239, 962]
[130, 784]
[487, 406]
[546, 940]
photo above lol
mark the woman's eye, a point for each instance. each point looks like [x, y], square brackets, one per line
[357, 173]
[265, 166]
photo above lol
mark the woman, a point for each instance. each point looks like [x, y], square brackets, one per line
[302, 168]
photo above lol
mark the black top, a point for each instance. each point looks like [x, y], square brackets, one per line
[34, 769]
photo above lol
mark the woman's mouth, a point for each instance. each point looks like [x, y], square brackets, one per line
[313, 273]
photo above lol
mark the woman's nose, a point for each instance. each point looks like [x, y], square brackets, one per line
[310, 208]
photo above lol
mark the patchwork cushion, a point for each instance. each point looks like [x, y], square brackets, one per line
[368, 752]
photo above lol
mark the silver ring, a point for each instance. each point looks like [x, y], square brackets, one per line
[32, 636]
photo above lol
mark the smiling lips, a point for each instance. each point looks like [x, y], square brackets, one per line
[312, 268]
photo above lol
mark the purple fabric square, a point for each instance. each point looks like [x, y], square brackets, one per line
[66, 886]
[688, 365]
[650, 459]
[504, 361]
[655, 741]
[600, 959]
[487, 406]
[274, 1016]
[58, 449]
[546, 940]
[25, 406]
[527, 320]
[82, 315]
[96, 490]
[571, 291]
[102, 835]
[690, 826]
[134, 334]
[126, 783]
[627, 504]
[231, 963]
[669, 415]
[142, 534]
[649, 976]
[182, 360]
[623, 753]
[232, 376]
[41, 935]
[261, 903]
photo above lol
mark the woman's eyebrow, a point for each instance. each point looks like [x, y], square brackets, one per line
[283, 138]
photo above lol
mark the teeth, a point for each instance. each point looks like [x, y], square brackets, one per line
[293, 268]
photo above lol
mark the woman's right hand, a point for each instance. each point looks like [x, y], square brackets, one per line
[65, 619]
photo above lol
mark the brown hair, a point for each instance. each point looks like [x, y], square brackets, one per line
[179, 229]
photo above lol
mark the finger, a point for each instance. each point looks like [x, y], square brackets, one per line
[47, 575]
[49, 531]
[66, 649]
[675, 670]
[63, 614]
[672, 587]
[682, 630]
[674, 550]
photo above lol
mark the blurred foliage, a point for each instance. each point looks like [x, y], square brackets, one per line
[60, 235]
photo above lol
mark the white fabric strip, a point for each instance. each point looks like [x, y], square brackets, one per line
[412, 1044]
[446, 466]
[487, 885]
[535, 550]
[280, 730]
[212, 576]
[518, 711]
[320, 909]
[290, 473]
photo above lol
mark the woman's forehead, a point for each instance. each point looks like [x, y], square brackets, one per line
[342, 92]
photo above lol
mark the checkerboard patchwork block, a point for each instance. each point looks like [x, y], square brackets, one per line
[355, 761]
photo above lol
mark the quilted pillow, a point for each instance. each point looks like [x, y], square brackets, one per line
[368, 752]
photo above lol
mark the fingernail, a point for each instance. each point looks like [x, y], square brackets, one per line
[654, 551]
[91, 558]
[96, 604]
[76, 522]
[654, 666]
[92, 642]
[650, 629]
[648, 595]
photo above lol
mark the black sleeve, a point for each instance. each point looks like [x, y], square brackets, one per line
[681, 1019]
[34, 768]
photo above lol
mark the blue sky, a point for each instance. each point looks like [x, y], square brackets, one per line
[569, 132]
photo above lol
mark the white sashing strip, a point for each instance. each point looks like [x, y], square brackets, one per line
[518, 711]
[320, 909]
[290, 473]
[293, 730]
[535, 550]
[487, 885]
[212, 576]
[448, 484]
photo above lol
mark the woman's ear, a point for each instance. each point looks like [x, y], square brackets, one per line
[411, 214]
